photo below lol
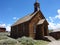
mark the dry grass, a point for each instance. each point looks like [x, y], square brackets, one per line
[4, 39]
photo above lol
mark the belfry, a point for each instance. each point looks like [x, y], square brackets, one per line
[36, 6]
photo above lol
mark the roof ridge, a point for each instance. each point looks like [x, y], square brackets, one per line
[25, 18]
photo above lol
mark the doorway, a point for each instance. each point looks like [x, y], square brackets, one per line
[45, 31]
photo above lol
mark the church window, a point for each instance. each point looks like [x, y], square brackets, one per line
[34, 28]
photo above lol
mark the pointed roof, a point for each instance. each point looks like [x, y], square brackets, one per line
[41, 21]
[24, 19]
[29, 17]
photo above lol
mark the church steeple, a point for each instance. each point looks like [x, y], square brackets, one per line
[36, 6]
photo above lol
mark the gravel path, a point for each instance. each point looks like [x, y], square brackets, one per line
[54, 43]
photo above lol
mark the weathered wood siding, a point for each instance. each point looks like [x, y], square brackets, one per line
[56, 35]
[33, 22]
[23, 29]
[39, 32]
[14, 31]
[27, 28]
[20, 30]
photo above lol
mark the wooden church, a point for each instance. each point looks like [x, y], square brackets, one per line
[33, 25]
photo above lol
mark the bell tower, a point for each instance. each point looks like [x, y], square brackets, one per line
[36, 6]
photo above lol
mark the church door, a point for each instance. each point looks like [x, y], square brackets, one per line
[45, 31]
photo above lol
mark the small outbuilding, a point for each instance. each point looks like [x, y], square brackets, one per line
[2, 29]
[55, 34]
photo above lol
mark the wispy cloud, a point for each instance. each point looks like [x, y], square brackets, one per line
[7, 26]
[58, 16]
[52, 22]
[2, 25]
[15, 18]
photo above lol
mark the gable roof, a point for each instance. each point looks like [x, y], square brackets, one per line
[41, 21]
[24, 19]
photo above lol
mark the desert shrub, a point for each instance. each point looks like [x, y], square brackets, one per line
[26, 41]
[8, 42]
[3, 37]
[4, 33]
[40, 42]
[30, 41]
[21, 41]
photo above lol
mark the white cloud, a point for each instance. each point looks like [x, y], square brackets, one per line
[52, 23]
[56, 30]
[51, 19]
[58, 16]
[7, 26]
[2, 25]
[58, 11]
[15, 18]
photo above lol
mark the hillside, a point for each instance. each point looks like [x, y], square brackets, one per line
[5, 40]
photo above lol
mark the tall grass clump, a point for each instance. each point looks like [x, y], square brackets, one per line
[8, 42]
[4, 33]
[30, 41]
[26, 41]
[3, 37]
[41, 42]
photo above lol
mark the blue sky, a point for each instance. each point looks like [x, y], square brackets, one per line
[12, 10]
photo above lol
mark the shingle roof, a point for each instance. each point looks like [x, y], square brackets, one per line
[41, 21]
[24, 19]
[56, 30]
[2, 28]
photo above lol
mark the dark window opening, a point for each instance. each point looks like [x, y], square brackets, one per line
[34, 28]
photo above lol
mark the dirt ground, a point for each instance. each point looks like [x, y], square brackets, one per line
[54, 43]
